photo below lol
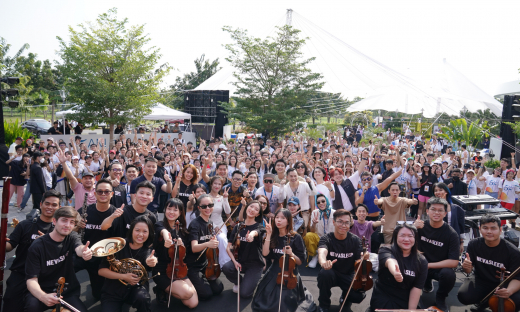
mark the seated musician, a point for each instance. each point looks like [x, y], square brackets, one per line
[402, 272]
[250, 260]
[166, 236]
[439, 244]
[139, 244]
[337, 252]
[96, 214]
[51, 257]
[21, 238]
[484, 256]
[267, 296]
[200, 240]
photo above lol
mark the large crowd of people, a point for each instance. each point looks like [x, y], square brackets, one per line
[252, 208]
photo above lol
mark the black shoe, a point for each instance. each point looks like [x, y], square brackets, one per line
[440, 302]
[428, 286]
[343, 294]
[160, 296]
[320, 309]
[478, 308]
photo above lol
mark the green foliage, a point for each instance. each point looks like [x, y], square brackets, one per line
[7, 63]
[458, 130]
[515, 126]
[274, 83]
[492, 163]
[396, 129]
[313, 133]
[14, 130]
[110, 68]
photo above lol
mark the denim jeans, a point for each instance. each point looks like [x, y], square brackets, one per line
[26, 195]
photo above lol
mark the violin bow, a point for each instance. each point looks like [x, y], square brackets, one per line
[283, 270]
[238, 297]
[173, 273]
[218, 230]
[352, 283]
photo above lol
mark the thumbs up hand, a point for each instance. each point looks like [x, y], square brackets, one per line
[383, 221]
[467, 265]
[151, 261]
[168, 242]
[86, 253]
[419, 223]
[397, 274]
[376, 200]
[328, 264]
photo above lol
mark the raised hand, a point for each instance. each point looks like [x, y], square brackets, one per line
[376, 200]
[397, 274]
[213, 243]
[86, 253]
[419, 223]
[118, 212]
[151, 261]
[168, 242]
[192, 197]
[250, 236]
[243, 201]
[327, 265]
[167, 178]
[268, 227]
[383, 221]
[225, 194]
[467, 265]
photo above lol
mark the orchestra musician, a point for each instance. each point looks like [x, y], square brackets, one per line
[484, 256]
[267, 295]
[199, 241]
[250, 260]
[337, 253]
[21, 238]
[402, 271]
[51, 257]
[439, 244]
[96, 214]
[139, 246]
[165, 235]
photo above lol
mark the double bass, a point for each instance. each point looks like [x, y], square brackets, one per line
[213, 267]
[363, 281]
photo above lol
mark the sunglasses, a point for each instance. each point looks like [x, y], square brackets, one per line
[300, 167]
[101, 192]
[321, 201]
[268, 181]
[206, 206]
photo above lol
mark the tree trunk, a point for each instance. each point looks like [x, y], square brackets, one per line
[52, 113]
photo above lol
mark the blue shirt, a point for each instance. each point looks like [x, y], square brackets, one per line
[369, 199]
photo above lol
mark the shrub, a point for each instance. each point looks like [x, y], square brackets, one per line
[14, 130]
[492, 163]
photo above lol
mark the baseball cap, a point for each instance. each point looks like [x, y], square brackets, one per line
[19, 138]
[87, 174]
[471, 170]
[112, 151]
[222, 146]
[294, 200]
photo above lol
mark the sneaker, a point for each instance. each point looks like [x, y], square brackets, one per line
[313, 262]
[440, 302]
[15, 205]
[428, 286]
[20, 209]
[235, 289]
[320, 309]
[477, 308]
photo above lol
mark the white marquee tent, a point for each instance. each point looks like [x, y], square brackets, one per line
[159, 112]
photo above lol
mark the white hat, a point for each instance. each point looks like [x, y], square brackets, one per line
[222, 146]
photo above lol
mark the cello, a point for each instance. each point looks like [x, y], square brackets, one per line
[176, 269]
[213, 267]
[363, 281]
[497, 304]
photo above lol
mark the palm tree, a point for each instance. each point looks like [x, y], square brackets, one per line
[7, 63]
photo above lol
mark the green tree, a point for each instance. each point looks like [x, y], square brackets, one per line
[173, 95]
[459, 131]
[7, 63]
[110, 69]
[273, 81]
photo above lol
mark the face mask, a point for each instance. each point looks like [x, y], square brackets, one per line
[456, 179]
[163, 163]
[42, 160]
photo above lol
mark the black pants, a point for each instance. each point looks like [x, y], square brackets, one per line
[473, 291]
[92, 267]
[446, 278]
[16, 289]
[205, 289]
[252, 273]
[36, 199]
[330, 278]
[138, 297]
[34, 305]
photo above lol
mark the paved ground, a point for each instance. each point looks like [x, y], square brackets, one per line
[227, 301]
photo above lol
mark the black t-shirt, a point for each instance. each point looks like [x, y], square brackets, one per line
[119, 197]
[184, 193]
[22, 237]
[250, 252]
[52, 130]
[297, 246]
[49, 260]
[427, 185]
[418, 148]
[346, 251]
[158, 182]
[161, 252]
[78, 129]
[198, 230]
[487, 260]
[439, 244]
[122, 224]
[113, 287]
[93, 232]
[388, 289]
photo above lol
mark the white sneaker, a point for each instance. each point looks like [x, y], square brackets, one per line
[235, 289]
[313, 262]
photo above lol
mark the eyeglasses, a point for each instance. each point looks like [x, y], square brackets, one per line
[101, 192]
[439, 211]
[237, 179]
[206, 206]
[268, 181]
[367, 179]
[343, 223]
[117, 170]
[263, 203]
[321, 201]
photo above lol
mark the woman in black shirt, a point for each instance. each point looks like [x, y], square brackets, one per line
[139, 245]
[402, 272]
[428, 179]
[184, 183]
[267, 295]
[250, 260]
[166, 235]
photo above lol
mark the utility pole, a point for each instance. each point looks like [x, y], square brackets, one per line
[288, 20]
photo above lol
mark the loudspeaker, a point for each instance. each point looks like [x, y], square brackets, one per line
[511, 237]
[203, 105]
[506, 133]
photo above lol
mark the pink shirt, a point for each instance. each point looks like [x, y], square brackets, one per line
[79, 194]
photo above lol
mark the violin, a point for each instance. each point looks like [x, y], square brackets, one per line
[497, 304]
[287, 265]
[363, 281]
[213, 267]
[60, 288]
[236, 240]
[177, 269]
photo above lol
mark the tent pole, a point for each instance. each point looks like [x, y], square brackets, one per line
[191, 125]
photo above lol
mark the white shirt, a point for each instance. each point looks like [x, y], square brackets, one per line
[323, 226]
[275, 197]
[302, 192]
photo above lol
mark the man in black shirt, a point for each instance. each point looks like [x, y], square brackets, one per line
[457, 187]
[439, 244]
[54, 129]
[21, 238]
[91, 228]
[115, 172]
[337, 253]
[150, 168]
[51, 257]
[78, 129]
[38, 186]
[484, 256]
[122, 217]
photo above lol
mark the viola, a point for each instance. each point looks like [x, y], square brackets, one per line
[287, 265]
[236, 240]
[497, 304]
[177, 269]
[213, 267]
[60, 288]
[363, 281]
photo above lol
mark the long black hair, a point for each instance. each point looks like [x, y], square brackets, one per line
[175, 202]
[151, 231]
[260, 216]
[289, 229]
[415, 255]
